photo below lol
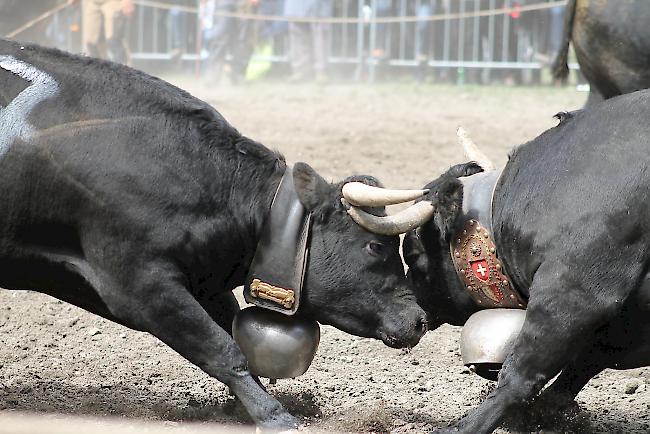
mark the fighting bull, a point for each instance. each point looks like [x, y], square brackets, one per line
[612, 44]
[563, 231]
[130, 198]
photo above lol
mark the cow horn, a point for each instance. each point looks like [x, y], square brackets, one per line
[472, 152]
[404, 221]
[360, 194]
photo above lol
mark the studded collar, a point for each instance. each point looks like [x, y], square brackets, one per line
[473, 250]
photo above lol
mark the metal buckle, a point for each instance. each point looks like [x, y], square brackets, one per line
[284, 297]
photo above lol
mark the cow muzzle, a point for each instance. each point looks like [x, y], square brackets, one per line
[405, 330]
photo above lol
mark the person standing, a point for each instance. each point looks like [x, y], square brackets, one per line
[423, 36]
[104, 28]
[225, 35]
[384, 8]
[308, 42]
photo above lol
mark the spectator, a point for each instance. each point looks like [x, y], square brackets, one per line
[63, 27]
[223, 35]
[308, 42]
[177, 28]
[384, 8]
[423, 35]
[556, 28]
[272, 29]
[104, 28]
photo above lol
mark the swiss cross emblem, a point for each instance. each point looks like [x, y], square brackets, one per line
[481, 270]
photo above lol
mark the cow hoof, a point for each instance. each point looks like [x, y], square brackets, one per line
[279, 422]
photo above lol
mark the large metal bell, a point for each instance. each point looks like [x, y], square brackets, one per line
[487, 338]
[276, 345]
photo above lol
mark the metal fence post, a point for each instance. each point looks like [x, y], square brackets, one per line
[505, 42]
[140, 29]
[402, 30]
[199, 39]
[476, 31]
[450, 46]
[446, 36]
[372, 42]
[461, 45]
[490, 51]
[360, 41]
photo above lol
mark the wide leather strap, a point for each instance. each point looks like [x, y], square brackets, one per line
[473, 251]
[276, 275]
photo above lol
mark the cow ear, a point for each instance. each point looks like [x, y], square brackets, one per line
[310, 186]
[447, 198]
[464, 169]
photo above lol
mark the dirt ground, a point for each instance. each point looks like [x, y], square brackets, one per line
[57, 358]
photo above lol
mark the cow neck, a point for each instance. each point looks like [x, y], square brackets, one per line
[275, 277]
[473, 250]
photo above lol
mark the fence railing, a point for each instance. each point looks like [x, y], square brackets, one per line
[463, 39]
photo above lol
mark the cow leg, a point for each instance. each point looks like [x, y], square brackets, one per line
[222, 308]
[594, 97]
[561, 317]
[573, 378]
[160, 304]
[622, 344]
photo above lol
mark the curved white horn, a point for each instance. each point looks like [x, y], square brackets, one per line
[404, 221]
[472, 152]
[360, 194]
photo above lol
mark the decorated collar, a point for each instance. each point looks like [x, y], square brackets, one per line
[473, 251]
[277, 272]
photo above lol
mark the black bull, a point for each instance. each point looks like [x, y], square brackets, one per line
[132, 199]
[611, 40]
[571, 219]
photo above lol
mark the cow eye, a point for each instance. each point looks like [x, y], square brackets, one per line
[375, 248]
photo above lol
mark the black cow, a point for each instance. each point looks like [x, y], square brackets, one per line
[571, 222]
[612, 44]
[130, 198]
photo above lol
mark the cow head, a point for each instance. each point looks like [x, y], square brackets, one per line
[426, 249]
[426, 252]
[355, 278]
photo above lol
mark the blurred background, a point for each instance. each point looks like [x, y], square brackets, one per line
[508, 42]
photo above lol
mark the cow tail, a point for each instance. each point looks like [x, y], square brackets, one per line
[560, 66]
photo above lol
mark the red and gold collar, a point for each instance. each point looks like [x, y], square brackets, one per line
[473, 251]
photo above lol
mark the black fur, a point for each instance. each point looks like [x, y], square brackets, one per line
[426, 251]
[612, 45]
[571, 226]
[560, 66]
[138, 202]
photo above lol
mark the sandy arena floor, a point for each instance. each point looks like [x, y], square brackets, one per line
[57, 358]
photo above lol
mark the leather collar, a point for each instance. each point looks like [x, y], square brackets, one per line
[277, 272]
[473, 251]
